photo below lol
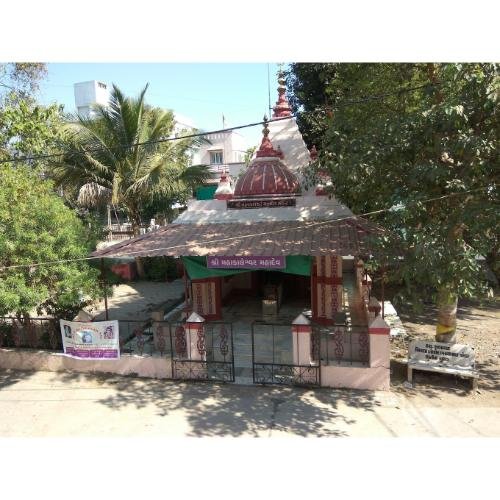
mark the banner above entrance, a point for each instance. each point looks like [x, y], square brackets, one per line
[245, 262]
[196, 267]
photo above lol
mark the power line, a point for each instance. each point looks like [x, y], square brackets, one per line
[203, 134]
[147, 143]
[253, 235]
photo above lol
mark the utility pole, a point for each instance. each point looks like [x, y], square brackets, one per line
[269, 90]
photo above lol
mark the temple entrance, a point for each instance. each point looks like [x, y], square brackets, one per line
[264, 296]
[261, 306]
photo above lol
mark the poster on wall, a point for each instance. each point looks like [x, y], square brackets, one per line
[99, 340]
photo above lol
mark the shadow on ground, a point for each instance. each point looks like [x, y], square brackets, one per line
[11, 377]
[232, 410]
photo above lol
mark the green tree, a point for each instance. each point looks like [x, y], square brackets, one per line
[26, 128]
[20, 81]
[310, 91]
[104, 160]
[401, 134]
[36, 226]
[248, 155]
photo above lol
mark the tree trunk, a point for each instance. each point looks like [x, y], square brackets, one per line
[136, 224]
[447, 316]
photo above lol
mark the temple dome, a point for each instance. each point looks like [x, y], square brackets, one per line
[267, 175]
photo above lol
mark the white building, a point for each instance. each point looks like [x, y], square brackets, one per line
[88, 94]
[226, 151]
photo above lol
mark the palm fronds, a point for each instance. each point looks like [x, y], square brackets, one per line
[105, 162]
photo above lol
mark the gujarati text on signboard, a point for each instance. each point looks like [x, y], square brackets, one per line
[246, 262]
[441, 354]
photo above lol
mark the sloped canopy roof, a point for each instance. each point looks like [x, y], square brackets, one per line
[340, 237]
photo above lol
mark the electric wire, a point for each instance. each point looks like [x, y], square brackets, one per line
[307, 224]
[229, 129]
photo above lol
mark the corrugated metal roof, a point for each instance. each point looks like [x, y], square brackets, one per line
[341, 237]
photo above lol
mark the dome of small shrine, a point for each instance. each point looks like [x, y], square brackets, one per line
[224, 190]
[267, 175]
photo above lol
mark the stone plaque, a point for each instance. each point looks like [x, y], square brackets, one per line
[459, 356]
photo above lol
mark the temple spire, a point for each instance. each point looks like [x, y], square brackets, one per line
[281, 108]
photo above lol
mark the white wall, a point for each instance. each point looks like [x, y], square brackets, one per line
[128, 364]
[232, 145]
[88, 94]
[286, 134]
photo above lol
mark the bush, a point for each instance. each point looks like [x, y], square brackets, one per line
[160, 268]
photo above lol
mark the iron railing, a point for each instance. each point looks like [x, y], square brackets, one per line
[208, 356]
[136, 337]
[341, 344]
[272, 357]
[33, 333]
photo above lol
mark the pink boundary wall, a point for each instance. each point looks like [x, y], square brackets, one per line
[356, 377]
[376, 376]
[24, 359]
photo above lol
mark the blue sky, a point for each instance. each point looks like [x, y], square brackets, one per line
[201, 92]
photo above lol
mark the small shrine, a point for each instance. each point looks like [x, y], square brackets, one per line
[281, 267]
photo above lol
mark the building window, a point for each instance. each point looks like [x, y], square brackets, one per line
[216, 158]
[101, 85]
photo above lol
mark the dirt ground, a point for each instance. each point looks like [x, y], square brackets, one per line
[136, 300]
[478, 325]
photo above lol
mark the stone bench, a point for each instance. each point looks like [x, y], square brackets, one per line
[439, 357]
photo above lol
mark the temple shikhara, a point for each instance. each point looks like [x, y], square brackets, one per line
[275, 286]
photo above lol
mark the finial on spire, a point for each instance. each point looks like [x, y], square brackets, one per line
[266, 148]
[282, 108]
[265, 130]
[281, 155]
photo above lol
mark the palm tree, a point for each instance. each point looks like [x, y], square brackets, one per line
[114, 157]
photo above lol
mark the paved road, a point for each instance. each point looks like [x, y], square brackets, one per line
[70, 404]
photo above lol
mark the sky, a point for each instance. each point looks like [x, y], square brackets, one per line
[202, 92]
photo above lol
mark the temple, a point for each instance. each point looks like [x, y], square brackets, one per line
[275, 286]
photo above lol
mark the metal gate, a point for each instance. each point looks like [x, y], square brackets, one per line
[272, 357]
[211, 358]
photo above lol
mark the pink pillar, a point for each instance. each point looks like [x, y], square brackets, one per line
[195, 337]
[380, 350]
[301, 336]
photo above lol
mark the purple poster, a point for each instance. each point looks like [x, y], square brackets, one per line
[91, 340]
[247, 262]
